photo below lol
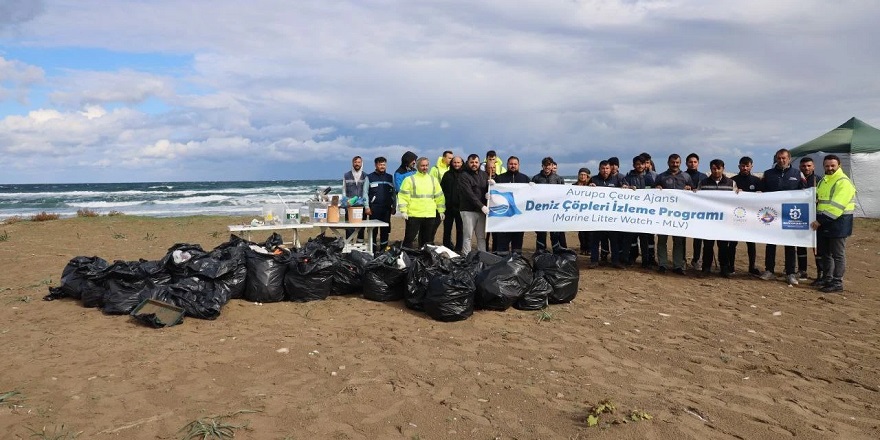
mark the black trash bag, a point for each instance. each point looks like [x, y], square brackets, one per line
[348, 273]
[78, 276]
[274, 241]
[561, 271]
[502, 284]
[536, 297]
[450, 297]
[197, 296]
[309, 275]
[178, 257]
[334, 245]
[124, 280]
[265, 276]
[230, 275]
[383, 279]
[425, 266]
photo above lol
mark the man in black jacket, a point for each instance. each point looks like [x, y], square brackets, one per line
[606, 179]
[748, 182]
[380, 201]
[547, 176]
[782, 177]
[717, 181]
[811, 180]
[473, 184]
[450, 183]
[510, 241]
[632, 242]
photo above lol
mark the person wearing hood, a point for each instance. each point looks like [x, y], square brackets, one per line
[450, 184]
[407, 168]
[510, 241]
[353, 187]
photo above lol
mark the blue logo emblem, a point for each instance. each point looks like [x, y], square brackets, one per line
[502, 204]
[795, 216]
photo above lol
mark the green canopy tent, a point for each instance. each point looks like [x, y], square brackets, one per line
[858, 146]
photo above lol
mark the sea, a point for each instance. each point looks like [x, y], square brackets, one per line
[158, 199]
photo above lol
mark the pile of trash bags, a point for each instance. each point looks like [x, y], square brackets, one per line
[434, 280]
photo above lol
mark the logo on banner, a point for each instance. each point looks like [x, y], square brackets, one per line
[740, 213]
[767, 215]
[795, 215]
[502, 204]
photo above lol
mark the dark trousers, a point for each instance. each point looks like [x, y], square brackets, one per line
[803, 259]
[381, 214]
[421, 227]
[698, 246]
[584, 241]
[453, 218]
[833, 254]
[770, 258]
[557, 239]
[508, 241]
[630, 243]
[613, 239]
[725, 251]
[752, 253]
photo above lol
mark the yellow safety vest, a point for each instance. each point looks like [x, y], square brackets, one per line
[421, 196]
[835, 195]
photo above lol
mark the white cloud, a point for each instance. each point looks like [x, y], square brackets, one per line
[315, 82]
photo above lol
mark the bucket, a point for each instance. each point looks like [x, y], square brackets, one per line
[304, 214]
[320, 215]
[292, 215]
[355, 214]
[273, 214]
[332, 214]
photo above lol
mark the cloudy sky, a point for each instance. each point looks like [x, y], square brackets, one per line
[162, 90]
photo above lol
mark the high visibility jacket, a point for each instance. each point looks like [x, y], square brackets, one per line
[439, 169]
[420, 196]
[835, 197]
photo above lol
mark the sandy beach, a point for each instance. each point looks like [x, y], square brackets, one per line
[706, 358]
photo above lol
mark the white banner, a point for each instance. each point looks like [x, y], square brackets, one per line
[778, 218]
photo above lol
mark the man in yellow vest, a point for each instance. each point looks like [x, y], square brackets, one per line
[835, 197]
[420, 199]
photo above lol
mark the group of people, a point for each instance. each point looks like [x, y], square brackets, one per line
[454, 191]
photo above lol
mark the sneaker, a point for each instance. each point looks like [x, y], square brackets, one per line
[678, 271]
[819, 282]
[767, 275]
[696, 265]
[792, 279]
[726, 274]
[755, 272]
[802, 275]
[833, 287]
[618, 266]
[592, 265]
[661, 269]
